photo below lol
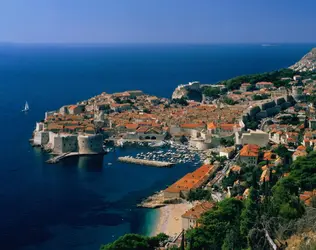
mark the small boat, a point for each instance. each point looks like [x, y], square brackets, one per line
[26, 107]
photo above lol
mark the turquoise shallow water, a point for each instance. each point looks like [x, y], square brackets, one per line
[151, 219]
[81, 203]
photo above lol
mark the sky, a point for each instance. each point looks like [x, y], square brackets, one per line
[158, 21]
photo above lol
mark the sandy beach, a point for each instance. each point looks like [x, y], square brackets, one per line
[169, 221]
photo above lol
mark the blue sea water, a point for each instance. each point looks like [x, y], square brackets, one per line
[81, 203]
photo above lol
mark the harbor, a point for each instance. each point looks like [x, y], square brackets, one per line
[170, 152]
[160, 164]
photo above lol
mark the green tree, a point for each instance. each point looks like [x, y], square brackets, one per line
[309, 149]
[229, 101]
[285, 200]
[199, 194]
[137, 242]
[229, 180]
[146, 110]
[249, 214]
[226, 142]
[215, 224]
[233, 240]
[117, 100]
[284, 153]
[274, 76]
[293, 120]
[182, 101]
[212, 92]
[257, 97]
[303, 171]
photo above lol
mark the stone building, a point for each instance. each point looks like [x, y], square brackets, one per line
[41, 137]
[190, 218]
[65, 143]
[76, 109]
[90, 144]
[257, 137]
[249, 154]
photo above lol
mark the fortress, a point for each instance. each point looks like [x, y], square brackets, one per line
[64, 143]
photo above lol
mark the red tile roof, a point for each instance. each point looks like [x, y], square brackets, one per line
[198, 210]
[211, 125]
[301, 148]
[191, 180]
[264, 83]
[192, 125]
[307, 197]
[250, 150]
[132, 126]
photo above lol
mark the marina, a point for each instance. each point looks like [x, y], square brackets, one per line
[170, 152]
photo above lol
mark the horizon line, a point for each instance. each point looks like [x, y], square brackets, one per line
[155, 43]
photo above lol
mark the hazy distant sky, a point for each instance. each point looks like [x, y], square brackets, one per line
[157, 21]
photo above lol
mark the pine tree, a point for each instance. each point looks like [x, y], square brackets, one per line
[249, 214]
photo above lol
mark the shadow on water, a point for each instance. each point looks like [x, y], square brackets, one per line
[88, 163]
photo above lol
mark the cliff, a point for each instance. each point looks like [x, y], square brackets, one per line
[191, 91]
[307, 63]
[180, 92]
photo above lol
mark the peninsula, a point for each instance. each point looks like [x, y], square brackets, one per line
[258, 131]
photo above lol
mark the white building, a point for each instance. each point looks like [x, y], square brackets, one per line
[190, 218]
[49, 113]
[297, 77]
[200, 143]
[39, 126]
[257, 137]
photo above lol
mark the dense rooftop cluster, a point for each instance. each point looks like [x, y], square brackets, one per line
[260, 175]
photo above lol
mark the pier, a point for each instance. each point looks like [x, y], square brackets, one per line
[159, 164]
[59, 157]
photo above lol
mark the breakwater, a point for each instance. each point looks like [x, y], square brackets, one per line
[58, 158]
[160, 164]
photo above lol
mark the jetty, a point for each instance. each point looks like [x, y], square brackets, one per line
[59, 157]
[159, 164]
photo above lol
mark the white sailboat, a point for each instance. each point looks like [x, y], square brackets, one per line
[26, 107]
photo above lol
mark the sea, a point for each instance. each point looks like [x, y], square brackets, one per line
[84, 202]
